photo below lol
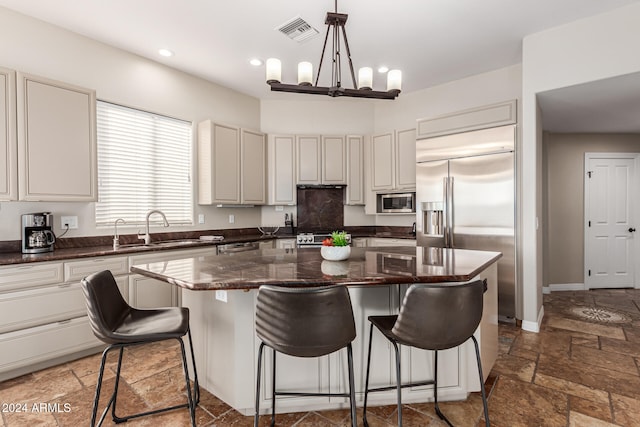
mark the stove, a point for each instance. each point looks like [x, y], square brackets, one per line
[314, 239]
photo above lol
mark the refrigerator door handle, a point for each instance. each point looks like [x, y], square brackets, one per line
[451, 212]
[445, 229]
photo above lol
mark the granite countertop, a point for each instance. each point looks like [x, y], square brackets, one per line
[86, 247]
[305, 267]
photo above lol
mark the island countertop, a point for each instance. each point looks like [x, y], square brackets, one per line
[305, 267]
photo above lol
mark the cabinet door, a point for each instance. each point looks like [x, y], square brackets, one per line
[355, 171]
[382, 162]
[281, 170]
[308, 160]
[56, 141]
[406, 159]
[8, 142]
[218, 163]
[253, 163]
[145, 292]
[334, 160]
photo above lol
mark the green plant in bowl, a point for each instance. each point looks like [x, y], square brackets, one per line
[339, 238]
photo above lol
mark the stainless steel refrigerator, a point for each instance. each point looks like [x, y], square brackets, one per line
[465, 199]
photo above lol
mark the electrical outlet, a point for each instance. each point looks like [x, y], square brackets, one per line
[221, 295]
[71, 221]
[200, 218]
[232, 219]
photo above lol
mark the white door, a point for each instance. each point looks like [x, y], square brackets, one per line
[610, 220]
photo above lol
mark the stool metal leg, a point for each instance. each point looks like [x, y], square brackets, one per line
[352, 392]
[114, 399]
[191, 405]
[399, 382]
[273, 391]
[259, 376]
[435, 390]
[196, 384]
[484, 396]
[96, 399]
[366, 381]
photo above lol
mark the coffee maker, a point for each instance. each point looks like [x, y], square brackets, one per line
[37, 233]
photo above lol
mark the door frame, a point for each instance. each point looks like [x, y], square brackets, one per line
[635, 156]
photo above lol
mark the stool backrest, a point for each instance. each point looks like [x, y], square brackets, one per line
[105, 306]
[438, 317]
[305, 322]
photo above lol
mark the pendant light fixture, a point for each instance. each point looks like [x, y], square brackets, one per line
[335, 25]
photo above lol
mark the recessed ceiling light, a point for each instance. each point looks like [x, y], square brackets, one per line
[255, 62]
[165, 52]
[383, 69]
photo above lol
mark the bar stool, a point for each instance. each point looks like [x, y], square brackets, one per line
[116, 323]
[304, 322]
[432, 317]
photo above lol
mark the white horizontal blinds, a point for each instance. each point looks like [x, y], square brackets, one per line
[144, 163]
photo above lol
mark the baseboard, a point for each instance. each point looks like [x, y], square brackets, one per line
[527, 325]
[559, 287]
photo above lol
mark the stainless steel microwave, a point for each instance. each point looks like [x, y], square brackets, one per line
[396, 203]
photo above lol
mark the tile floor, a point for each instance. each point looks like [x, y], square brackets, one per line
[582, 369]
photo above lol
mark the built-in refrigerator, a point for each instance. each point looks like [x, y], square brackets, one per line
[465, 199]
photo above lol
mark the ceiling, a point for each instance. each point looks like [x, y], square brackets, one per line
[431, 41]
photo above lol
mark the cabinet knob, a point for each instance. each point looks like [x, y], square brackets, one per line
[631, 229]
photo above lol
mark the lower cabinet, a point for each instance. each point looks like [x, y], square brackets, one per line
[43, 314]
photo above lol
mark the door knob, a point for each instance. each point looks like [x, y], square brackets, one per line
[631, 229]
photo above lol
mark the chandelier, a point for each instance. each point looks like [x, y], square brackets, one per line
[335, 25]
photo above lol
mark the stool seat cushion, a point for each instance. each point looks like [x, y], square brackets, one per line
[151, 325]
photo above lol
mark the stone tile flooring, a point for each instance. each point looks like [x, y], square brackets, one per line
[582, 369]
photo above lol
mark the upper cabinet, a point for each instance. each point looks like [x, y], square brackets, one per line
[321, 160]
[8, 142]
[231, 165]
[56, 140]
[281, 169]
[253, 162]
[393, 161]
[355, 171]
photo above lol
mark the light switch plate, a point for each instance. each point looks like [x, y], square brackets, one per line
[221, 295]
[200, 218]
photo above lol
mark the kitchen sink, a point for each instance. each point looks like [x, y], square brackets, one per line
[164, 243]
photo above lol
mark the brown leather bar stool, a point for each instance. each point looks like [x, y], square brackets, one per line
[116, 323]
[432, 317]
[304, 322]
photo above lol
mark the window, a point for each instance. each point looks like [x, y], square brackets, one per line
[144, 163]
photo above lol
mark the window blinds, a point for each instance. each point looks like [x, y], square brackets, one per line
[144, 163]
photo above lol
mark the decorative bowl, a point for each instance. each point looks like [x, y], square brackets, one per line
[335, 253]
[269, 230]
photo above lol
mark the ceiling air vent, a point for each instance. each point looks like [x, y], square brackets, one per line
[297, 29]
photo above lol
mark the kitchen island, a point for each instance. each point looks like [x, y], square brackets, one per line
[222, 321]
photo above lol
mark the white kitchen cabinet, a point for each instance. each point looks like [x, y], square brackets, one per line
[281, 169]
[355, 170]
[321, 160]
[253, 162]
[56, 140]
[334, 160]
[308, 159]
[218, 163]
[231, 165]
[406, 159]
[393, 161]
[8, 141]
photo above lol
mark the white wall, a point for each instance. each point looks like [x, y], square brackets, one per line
[35, 47]
[587, 50]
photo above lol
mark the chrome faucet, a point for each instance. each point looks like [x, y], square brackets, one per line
[116, 238]
[147, 236]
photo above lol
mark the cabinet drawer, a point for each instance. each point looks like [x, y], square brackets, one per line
[30, 275]
[77, 270]
[24, 309]
[33, 345]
